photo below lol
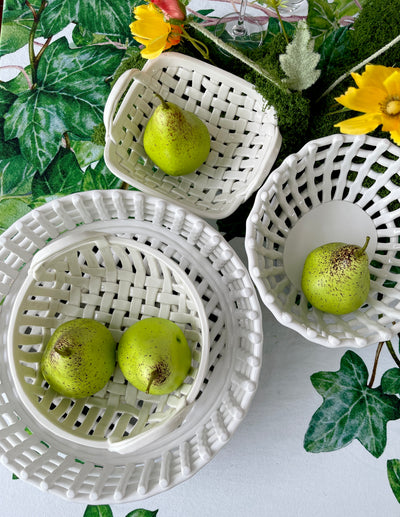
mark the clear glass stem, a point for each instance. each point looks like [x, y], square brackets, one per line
[239, 29]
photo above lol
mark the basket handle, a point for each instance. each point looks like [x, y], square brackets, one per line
[60, 246]
[141, 440]
[119, 89]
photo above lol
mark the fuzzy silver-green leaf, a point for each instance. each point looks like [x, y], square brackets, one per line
[300, 61]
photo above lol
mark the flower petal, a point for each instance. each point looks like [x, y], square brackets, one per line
[366, 99]
[392, 84]
[390, 123]
[374, 76]
[154, 48]
[172, 8]
[360, 125]
[395, 136]
[148, 29]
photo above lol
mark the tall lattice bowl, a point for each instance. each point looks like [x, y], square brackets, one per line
[245, 139]
[117, 256]
[336, 189]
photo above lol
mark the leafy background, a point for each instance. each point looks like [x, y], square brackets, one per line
[50, 114]
[52, 141]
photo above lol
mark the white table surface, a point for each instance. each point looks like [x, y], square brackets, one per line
[263, 470]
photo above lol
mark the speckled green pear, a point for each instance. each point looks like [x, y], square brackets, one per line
[336, 278]
[154, 355]
[176, 140]
[79, 358]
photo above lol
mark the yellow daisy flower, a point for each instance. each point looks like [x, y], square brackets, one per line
[153, 31]
[378, 97]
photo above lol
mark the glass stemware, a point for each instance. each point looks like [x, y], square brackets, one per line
[240, 29]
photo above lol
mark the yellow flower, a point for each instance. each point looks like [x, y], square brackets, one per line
[153, 31]
[378, 97]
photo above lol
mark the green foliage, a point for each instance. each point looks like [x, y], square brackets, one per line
[16, 25]
[350, 410]
[299, 60]
[102, 510]
[324, 17]
[105, 511]
[61, 102]
[140, 512]
[393, 471]
[97, 16]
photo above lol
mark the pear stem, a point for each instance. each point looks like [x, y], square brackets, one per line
[163, 102]
[361, 250]
[153, 376]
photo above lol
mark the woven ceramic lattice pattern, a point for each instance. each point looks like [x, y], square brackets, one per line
[362, 171]
[244, 135]
[84, 473]
[117, 283]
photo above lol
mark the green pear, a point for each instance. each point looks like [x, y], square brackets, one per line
[154, 355]
[176, 140]
[79, 358]
[336, 278]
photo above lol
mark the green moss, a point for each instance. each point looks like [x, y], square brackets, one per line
[132, 59]
[377, 24]
[99, 134]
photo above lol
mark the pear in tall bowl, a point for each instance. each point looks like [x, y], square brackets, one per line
[79, 358]
[176, 140]
[336, 277]
[154, 355]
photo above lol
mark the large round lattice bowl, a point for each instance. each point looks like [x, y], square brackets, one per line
[117, 282]
[107, 473]
[244, 135]
[336, 189]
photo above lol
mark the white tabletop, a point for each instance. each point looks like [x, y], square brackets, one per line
[263, 470]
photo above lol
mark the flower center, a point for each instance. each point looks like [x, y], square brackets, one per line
[391, 106]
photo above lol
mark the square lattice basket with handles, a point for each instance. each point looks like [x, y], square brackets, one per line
[245, 139]
[339, 188]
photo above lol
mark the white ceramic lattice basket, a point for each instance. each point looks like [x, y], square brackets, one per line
[116, 282]
[245, 139]
[336, 189]
[74, 469]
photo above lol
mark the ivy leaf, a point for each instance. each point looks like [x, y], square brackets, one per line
[350, 410]
[15, 176]
[70, 96]
[100, 16]
[62, 177]
[16, 24]
[12, 209]
[390, 381]
[100, 178]
[101, 510]
[7, 148]
[334, 46]
[140, 512]
[393, 472]
[300, 61]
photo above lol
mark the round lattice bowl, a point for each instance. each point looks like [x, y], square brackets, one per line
[337, 189]
[245, 138]
[117, 282]
[116, 470]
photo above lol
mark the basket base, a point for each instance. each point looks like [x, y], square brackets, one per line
[336, 221]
